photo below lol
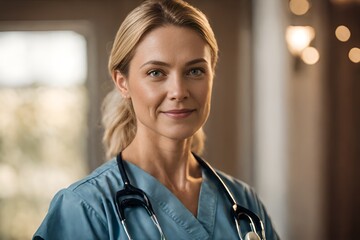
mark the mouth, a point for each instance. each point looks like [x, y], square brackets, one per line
[179, 113]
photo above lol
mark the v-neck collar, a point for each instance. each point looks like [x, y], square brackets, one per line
[208, 201]
[162, 198]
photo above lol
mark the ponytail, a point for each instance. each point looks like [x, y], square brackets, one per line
[119, 121]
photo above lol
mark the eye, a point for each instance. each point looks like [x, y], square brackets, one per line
[155, 73]
[196, 72]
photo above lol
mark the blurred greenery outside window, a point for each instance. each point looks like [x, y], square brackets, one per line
[43, 123]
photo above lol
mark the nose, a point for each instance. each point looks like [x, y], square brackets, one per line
[178, 89]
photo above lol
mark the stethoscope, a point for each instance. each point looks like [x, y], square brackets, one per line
[131, 196]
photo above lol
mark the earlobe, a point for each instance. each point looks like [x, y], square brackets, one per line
[121, 83]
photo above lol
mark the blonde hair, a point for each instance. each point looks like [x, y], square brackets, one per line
[118, 116]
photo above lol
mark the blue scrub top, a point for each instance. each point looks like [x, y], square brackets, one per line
[86, 209]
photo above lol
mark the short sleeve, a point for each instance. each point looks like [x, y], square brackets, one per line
[71, 217]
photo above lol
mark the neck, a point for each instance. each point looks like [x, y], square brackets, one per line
[171, 163]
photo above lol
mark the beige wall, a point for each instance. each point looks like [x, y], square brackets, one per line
[306, 165]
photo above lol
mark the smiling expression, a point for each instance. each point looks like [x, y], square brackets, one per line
[169, 83]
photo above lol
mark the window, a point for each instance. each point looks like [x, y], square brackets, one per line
[43, 123]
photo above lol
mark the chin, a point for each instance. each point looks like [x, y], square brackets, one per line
[181, 134]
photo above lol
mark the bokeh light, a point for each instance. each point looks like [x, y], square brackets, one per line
[354, 55]
[299, 7]
[298, 38]
[310, 55]
[342, 33]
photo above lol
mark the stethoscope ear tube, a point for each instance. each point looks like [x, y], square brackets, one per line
[207, 166]
[131, 196]
[238, 211]
[122, 171]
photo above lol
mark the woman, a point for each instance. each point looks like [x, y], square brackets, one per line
[162, 63]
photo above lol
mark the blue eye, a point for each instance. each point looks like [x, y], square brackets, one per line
[155, 73]
[196, 72]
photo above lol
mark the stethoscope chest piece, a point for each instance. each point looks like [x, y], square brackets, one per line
[251, 236]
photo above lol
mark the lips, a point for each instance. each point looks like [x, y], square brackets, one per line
[179, 113]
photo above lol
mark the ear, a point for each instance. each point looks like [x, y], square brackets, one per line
[121, 83]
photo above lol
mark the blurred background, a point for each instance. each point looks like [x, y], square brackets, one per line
[285, 113]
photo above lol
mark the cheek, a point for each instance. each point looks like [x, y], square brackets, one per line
[144, 96]
[205, 94]
[143, 93]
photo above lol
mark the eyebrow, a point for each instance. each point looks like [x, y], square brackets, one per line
[160, 63]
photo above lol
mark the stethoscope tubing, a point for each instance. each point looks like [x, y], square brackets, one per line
[235, 206]
[237, 210]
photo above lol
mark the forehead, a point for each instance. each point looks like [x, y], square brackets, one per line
[172, 44]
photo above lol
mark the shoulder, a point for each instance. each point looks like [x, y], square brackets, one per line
[67, 214]
[243, 193]
[106, 173]
[97, 190]
[248, 198]
[86, 204]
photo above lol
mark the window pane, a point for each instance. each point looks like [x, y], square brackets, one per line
[43, 124]
[56, 58]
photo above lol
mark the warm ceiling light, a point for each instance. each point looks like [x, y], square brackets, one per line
[342, 33]
[310, 55]
[299, 7]
[354, 55]
[298, 38]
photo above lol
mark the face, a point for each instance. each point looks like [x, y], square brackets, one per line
[169, 83]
